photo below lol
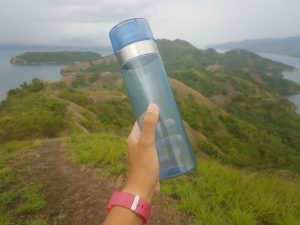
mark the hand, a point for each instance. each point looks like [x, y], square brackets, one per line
[143, 177]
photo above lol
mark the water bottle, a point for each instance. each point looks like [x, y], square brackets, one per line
[146, 82]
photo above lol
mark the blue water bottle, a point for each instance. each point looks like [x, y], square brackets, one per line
[146, 81]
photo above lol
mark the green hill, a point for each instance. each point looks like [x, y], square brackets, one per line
[65, 57]
[243, 130]
[236, 108]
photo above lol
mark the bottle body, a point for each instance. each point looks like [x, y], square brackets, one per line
[147, 82]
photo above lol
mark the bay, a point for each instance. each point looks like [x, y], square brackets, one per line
[11, 76]
[293, 75]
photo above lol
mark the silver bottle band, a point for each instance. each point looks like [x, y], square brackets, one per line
[136, 49]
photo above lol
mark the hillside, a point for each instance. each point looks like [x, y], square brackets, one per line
[243, 131]
[283, 46]
[63, 57]
[242, 84]
[95, 117]
[231, 124]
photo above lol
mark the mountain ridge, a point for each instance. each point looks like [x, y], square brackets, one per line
[284, 46]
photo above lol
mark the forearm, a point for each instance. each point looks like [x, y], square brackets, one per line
[143, 179]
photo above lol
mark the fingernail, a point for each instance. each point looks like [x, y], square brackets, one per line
[153, 108]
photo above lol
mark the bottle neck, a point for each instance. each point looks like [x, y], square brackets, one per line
[136, 49]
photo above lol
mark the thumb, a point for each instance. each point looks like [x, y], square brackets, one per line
[147, 137]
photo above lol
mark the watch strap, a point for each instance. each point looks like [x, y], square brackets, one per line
[133, 202]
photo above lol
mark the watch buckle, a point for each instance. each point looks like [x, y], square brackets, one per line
[135, 203]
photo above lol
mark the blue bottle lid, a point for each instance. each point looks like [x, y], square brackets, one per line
[128, 32]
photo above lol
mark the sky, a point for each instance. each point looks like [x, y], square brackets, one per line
[201, 22]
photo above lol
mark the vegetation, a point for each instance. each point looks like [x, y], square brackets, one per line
[238, 119]
[98, 68]
[28, 113]
[18, 197]
[103, 150]
[216, 194]
[54, 57]
[242, 143]
[180, 54]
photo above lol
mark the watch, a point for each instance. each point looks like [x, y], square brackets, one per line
[133, 202]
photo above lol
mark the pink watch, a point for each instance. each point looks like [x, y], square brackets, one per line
[133, 202]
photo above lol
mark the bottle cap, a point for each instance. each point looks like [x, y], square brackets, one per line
[128, 32]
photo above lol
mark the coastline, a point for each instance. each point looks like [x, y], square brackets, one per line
[289, 75]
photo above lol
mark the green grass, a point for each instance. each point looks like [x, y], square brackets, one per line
[6, 177]
[17, 197]
[37, 222]
[8, 196]
[5, 219]
[10, 150]
[218, 194]
[31, 201]
[214, 194]
[104, 151]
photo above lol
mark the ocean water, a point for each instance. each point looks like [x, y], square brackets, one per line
[11, 76]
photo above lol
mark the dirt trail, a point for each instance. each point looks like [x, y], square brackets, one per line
[77, 196]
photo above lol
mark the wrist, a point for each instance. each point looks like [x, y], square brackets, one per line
[141, 187]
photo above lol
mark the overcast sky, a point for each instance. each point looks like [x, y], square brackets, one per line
[201, 22]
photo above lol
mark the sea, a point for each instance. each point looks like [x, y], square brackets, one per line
[12, 76]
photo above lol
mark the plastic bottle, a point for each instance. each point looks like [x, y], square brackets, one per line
[147, 82]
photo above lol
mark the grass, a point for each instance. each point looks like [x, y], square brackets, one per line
[5, 219]
[36, 222]
[10, 150]
[8, 196]
[214, 194]
[218, 194]
[31, 201]
[101, 150]
[18, 198]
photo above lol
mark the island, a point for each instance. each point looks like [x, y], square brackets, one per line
[61, 57]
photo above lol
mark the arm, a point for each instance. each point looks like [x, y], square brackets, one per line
[143, 179]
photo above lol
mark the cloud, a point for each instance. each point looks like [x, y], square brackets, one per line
[202, 22]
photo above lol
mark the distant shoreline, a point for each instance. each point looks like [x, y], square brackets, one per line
[54, 58]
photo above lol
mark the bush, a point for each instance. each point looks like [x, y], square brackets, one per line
[36, 85]
[31, 116]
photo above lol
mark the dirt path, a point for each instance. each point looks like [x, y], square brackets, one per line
[77, 196]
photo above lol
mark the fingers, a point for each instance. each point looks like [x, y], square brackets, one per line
[149, 124]
[134, 135]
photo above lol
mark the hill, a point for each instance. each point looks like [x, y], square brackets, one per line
[63, 57]
[283, 46]
[243, 85]
[242, 129]
[226, 110]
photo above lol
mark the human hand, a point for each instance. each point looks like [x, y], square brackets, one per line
[143, 177]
